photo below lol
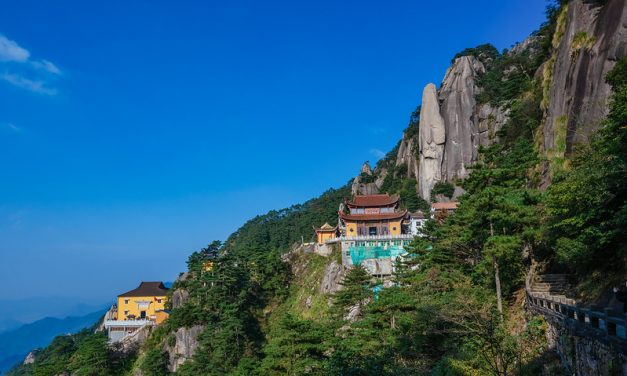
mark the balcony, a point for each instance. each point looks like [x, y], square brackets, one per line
[375, 237]
[126, 323]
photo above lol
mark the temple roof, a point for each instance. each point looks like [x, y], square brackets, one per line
[373, 217]
[147, 289]
[445, 205]
[418, 215]
[373, 200]
[325, 227]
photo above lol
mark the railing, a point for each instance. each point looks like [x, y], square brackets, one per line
[126, 323]
[609, 326]
[373, 237]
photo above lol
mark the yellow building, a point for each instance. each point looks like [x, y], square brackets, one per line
[373, 215]
[142, 303]
[325, 233]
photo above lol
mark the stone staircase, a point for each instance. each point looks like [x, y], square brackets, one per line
[551, 284]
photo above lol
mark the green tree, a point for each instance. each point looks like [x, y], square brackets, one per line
[155, 363]
[356, 288]
[91, 357]
[297, 347]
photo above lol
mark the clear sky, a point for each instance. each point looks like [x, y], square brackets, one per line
[134, 132]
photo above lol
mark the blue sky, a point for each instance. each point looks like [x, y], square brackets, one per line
[134, 132]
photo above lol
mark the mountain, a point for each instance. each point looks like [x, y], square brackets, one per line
[8, 324]
[530, 141]
[35, 308]
[17, 343]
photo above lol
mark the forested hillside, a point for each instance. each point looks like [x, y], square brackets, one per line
[535, 199]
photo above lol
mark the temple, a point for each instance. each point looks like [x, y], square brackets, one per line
[325, 233]
[374, 232]
[373, 215]
[143, 306]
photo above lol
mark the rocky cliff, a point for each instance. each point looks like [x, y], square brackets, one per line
[431, 141]
[458, 108]
[590, 37]
[452, 127]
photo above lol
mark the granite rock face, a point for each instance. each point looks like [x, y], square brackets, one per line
[406, 155]
[592, 38]
[490, 120]
[179, 297]
[333, 275]
[30, 358]
[186, 343]
[457, 97]
[361, 187]
[452, 127]
[431, 139]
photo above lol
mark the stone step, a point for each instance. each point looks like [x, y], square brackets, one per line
[550, 285]
[552, 277]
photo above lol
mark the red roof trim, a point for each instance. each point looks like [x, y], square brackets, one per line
[373, 200]
[370, 217]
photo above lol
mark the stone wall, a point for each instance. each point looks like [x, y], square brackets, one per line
[585, 356]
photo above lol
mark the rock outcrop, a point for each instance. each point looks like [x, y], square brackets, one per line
[185, 345]
[179, 297]
[589, 40]
[333, 275]
[407, 155]
[431, 139]
[366, 183]
[489, 121]
[30, 358]
[452, 127]
[457, 96]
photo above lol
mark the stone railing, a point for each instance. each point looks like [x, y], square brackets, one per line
[127, 323]
[374, 237]
[609, 326]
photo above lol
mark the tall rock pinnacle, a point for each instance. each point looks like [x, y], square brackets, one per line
[432, 135]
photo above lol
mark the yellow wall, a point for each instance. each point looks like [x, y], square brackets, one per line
[207, 266]
[349, 226]
[324, 236]
[397, 225]
[161, 316]
[128, 306]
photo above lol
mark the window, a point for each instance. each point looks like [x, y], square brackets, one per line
[125, 313]
[158, 300]
[125, 301]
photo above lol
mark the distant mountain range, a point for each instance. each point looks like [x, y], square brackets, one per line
[15, 312]
[15, 344]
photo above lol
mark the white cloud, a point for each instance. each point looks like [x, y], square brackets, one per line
[47, 66]
[11, 127]
[38, 86]
[11, 51]
[377, 153]
[24, 72]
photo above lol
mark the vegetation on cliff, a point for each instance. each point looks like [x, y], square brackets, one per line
[454, 307]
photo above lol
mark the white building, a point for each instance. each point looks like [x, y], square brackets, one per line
[416, 222]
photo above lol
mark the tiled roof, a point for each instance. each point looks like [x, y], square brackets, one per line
[445, 205]
[147, 289]
[418, 215]
[373, 200]
[371, 217]
[326, 227]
